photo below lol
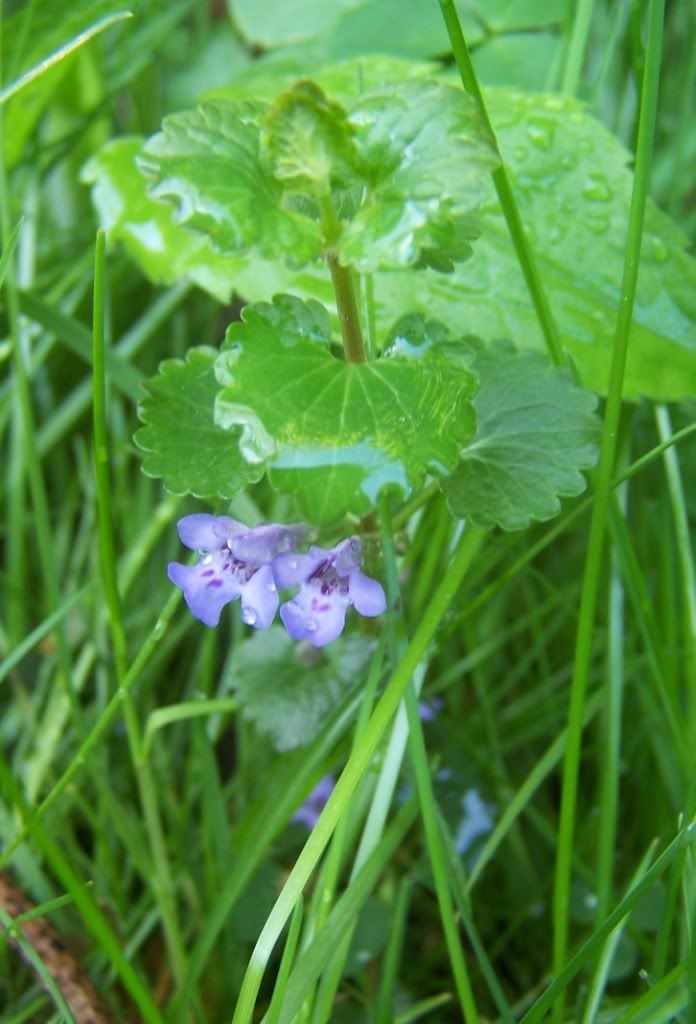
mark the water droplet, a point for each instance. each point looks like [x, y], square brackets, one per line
[540, 133]
[249, 616]
[660, 252]
[271, 587]
[597, 224]
[519, 153]
[596, 188]
[207, 560]
[311, 625]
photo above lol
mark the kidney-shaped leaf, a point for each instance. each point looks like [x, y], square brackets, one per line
[536, 430]
[336, 433]
[181, 441]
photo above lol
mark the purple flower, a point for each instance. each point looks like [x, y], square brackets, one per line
[308, 813]
[236, 562]
[429, 709]
[329, 582]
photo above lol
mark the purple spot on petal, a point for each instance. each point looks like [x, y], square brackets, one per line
[215, 583]
[324, 607]
[208, 572]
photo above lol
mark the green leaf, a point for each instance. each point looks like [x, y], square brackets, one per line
[426, 163]
[271, 25]
[536, 430]
[28, 37]
[208, 162]
[337, 433]
[181, 442]
[573, 186]
[289, 692]
[165, 251]
[307, 140]
[405, 184]
[351, 27]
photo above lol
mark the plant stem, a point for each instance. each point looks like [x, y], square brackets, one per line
[600, 512]
[342, 280]
[504, 190]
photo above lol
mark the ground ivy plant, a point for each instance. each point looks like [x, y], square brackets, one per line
[332, 191]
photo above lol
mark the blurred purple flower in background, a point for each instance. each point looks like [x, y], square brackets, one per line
[308, 813]
[330, 580]
[430, 708]
[236, 562]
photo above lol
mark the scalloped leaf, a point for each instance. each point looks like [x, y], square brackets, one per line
[573, 182]
[536, 430]
[336, 433]
[426, 161]
[405, 166]
[180, 440]
[208, 163]
[289, 692]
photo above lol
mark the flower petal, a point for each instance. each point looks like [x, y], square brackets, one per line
[291, 569]
[309, 811]
[206, 589]
[315, 617]
[260, 599]
[366, 594]
[203, 532]
[348, 556]
[262, 543]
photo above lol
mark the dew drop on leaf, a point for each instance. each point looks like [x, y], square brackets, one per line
[596, 189]
[540, 134]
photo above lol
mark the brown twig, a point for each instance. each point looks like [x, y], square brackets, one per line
[77, 989]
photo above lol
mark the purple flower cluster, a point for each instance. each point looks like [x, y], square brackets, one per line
[253, 563]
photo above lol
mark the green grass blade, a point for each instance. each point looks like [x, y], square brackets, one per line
[162, 717]
[286, 962]
[601, 972]
[311, 963]
[384, 1006]
[84, 902]
[43, 629]
[351, 775]
[577, 46]
[51, 59]
[286, 789]
[503, 187]
[590, 947]
[30, 955]
[600, 512]
[162, 880]
[78, 339]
